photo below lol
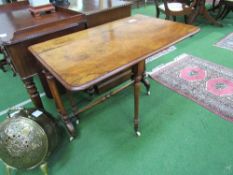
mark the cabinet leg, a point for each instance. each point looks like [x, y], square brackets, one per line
[45, 85]
[32, 91]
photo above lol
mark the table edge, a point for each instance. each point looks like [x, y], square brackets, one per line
[93, 82]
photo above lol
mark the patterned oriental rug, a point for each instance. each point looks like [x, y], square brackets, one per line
[226, 42]
[206, 83]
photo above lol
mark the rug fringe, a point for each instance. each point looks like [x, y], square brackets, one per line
[159, 54]
[161, 66]
[226, 42]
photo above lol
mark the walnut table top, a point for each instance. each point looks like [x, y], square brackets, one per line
[82, 59]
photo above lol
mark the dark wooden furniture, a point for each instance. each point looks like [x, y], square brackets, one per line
[6, 61]
[22, 30]
[3, 61]
[19, 29]
[174, 9]
[137, 2]
[104, 51]
[200, 9]
[38, 11]
[214, 6]
[227, 6]
[101, 11]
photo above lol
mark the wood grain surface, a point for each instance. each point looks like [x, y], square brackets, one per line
[82, 59]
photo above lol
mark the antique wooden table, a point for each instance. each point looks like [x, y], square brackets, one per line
[101, 11]
[19, 29]
[103, 51]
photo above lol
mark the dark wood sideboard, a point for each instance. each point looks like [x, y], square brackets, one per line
[101, 11]
[19, 29]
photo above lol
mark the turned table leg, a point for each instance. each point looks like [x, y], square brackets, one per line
[73, 106]
[59, 104]
[138, 75]
[32, 91]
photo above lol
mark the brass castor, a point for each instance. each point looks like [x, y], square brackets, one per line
[138, 133]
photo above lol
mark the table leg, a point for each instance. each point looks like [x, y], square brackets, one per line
[59, 104]
[73, 106]
[138, 74]
[45, 85]
[32, 91]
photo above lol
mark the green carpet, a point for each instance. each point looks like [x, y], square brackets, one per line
[178, 137]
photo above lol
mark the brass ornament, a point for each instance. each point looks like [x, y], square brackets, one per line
[27, 138]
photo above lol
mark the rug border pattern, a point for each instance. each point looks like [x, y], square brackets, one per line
[175, 61]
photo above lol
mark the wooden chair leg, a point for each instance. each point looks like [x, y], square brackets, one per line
[226, 13]
[213, 5]
[219, 10]
[193, 16]
[222, 12]
[210, 19]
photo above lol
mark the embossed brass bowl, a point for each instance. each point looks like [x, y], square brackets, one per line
[27, 138]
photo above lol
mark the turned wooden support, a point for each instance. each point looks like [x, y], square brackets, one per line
[58, 101]
[138, 75]
[73, 104]
[32, 91]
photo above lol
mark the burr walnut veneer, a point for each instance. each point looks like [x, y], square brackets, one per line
[103, 51]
